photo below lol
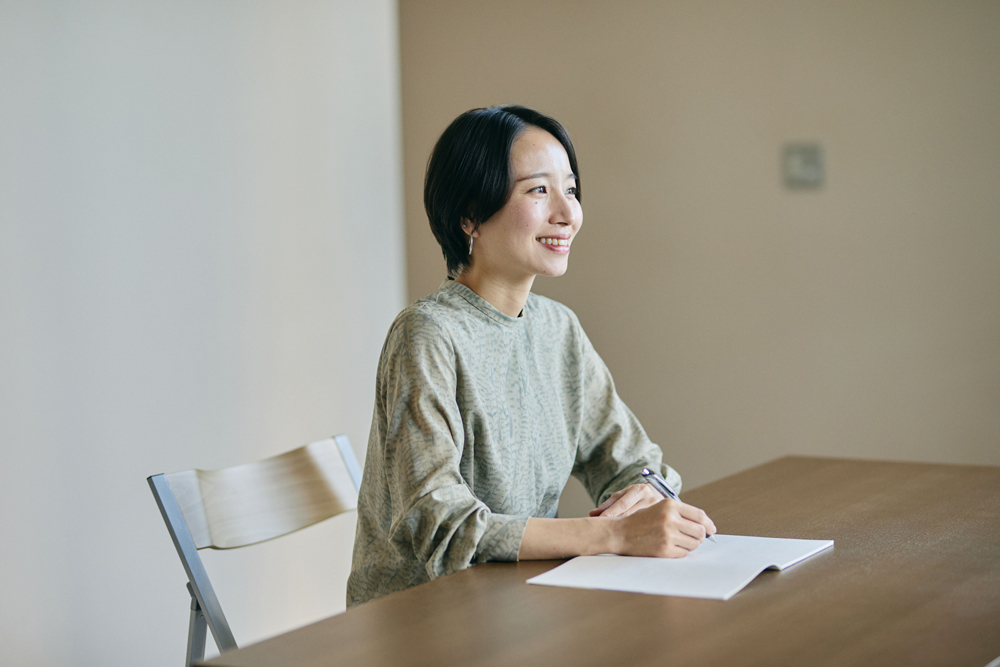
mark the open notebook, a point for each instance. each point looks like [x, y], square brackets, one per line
[716, 571]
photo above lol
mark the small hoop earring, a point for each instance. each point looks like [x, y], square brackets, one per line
[471, 239]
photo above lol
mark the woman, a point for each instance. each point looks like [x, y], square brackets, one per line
[488, 396]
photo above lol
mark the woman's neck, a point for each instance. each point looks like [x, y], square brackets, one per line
[507, 297]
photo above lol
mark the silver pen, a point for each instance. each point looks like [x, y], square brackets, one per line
[657, 482]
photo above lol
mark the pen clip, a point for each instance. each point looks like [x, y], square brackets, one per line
[659, 484]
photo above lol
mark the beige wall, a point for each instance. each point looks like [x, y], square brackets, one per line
[193, 195]
[743, 321]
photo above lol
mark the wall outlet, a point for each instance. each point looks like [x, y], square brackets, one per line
[803, 166]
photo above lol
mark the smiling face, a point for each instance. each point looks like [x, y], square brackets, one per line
[532, 234]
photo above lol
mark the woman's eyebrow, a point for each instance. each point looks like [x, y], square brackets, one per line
[541, 174]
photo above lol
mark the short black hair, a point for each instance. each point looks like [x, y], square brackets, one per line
[469, 173]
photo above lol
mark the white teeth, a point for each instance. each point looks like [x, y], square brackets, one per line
[552, 241]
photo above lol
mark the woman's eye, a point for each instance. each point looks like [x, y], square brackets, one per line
[571, 191]
[540, 189]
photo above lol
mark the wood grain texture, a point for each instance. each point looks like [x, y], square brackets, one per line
[914, 579]
[250, 503]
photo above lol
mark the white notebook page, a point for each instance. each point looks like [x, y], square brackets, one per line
[716, 571]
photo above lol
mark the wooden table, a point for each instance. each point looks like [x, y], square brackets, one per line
[913, 579]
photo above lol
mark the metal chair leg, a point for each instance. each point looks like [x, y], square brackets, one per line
[197, 630]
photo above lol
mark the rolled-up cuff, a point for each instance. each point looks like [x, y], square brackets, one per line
[502, 539]
[633, 475]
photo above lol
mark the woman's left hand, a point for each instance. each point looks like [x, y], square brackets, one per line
[627, 501]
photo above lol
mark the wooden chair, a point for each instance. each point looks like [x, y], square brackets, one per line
[246, 504]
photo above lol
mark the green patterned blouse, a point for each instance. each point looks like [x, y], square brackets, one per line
[480, 418]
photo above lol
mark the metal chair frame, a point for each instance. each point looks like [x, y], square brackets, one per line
[205, 607]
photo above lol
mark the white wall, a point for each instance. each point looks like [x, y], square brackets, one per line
[200, 253]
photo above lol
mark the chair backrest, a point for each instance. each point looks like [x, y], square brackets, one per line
[251, 503]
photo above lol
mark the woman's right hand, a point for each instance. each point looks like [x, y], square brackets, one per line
[667, 529]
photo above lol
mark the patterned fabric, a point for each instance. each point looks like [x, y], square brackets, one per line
[480, 418]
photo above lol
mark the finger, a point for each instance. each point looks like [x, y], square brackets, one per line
[676, 552]
[623, 505]
[692, 513]
[597, 511]
[649, 497]
[695, 514]
[636, 500]
[607, 503]
[692, 529]
[618, 508]
[680, 546]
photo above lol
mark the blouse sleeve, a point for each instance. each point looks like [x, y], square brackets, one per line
[435, 517]
[613, 448]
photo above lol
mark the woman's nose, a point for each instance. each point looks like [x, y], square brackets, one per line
[566, 211]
